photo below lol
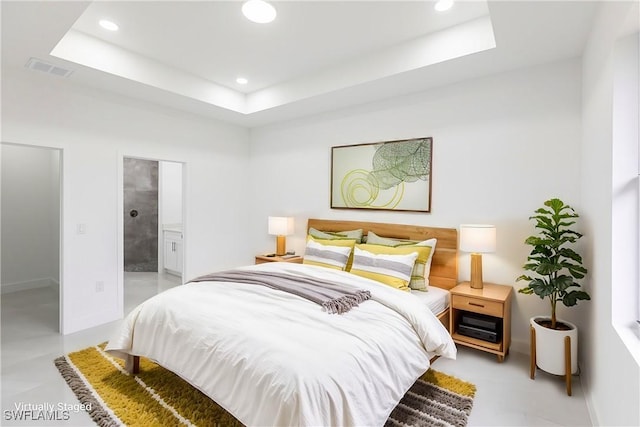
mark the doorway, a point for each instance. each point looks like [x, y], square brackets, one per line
[30, 244]
[152, 228]
[140, 215]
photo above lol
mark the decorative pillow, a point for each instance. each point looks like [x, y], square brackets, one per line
[392, 270]
[374, 239]
[417, 281]
[332, 235]
[336, 254]
[427, 268]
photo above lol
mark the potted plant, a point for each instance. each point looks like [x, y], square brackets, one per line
[555, 267]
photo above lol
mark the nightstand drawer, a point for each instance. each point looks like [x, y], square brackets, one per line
[476, 305]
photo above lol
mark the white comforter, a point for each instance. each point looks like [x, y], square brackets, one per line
[272, 358]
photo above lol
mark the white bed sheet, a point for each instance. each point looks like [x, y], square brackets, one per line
[272, 358]
[436, 299]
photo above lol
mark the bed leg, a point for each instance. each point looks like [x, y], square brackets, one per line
[132, 364]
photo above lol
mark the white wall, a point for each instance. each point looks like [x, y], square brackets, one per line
[611, 374]
[502, 146]
[170, 192]
[95, 130]
[30, 217]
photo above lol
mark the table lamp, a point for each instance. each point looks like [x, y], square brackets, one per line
[477, 239]
[280, 227]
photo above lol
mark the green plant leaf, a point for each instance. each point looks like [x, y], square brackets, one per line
[542, 249]
[577, 271]
[562, 282]
[568, 223]
[542, 211]
[555, 204]
[546, 268]
[571, 254]
[541, 288]
[571, 298]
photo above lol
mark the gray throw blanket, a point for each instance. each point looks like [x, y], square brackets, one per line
[332, 296]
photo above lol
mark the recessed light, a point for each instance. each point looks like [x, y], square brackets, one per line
[259, 11]
[443, 5]
[108, 25]
[242, 81]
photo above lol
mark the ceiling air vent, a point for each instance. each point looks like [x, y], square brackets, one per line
[39, 65]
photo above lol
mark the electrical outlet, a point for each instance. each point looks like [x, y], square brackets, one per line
[99, 286]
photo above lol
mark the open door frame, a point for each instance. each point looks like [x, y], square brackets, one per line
[60, 152]
[120, 210]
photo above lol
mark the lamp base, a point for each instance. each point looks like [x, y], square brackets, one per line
[476, 271]
[281, 245]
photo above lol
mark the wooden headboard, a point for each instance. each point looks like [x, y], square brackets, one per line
[444, 266]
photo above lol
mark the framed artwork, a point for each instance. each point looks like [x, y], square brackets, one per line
[391, 175]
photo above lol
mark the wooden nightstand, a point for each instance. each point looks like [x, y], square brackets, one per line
[492, 300]
[261, 259]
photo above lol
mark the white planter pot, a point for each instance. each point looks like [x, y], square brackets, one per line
[550, 352]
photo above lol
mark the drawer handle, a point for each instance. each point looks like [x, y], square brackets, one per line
[476, 304]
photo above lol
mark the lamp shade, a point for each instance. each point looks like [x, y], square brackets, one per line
[477, 238]
[280, 225]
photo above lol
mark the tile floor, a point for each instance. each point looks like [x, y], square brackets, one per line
[506, 396]
[30, 341]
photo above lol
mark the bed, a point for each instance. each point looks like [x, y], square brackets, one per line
[272, 358]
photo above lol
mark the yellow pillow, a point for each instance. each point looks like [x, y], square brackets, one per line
[393, 270]
[418, 273]
[332, 235]
[317, 258]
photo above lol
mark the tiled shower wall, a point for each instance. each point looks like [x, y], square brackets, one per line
[141, 230]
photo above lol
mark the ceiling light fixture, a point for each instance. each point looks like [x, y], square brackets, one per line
[259, 11]
[242, 81]
[443, 5]
[108, 25]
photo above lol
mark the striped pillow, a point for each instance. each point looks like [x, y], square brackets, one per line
[334, 255]
[420, 285]
[417, 281]
[392, 270]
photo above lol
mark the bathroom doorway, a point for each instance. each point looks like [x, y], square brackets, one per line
[152, 228]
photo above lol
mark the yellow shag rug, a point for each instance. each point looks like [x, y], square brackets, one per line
[158, 397]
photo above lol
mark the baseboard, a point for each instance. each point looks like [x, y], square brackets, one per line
[588, 398]
[77, 324]
[520, 346]
[172, 272]
[46, 282]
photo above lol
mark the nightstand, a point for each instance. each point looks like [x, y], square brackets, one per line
[493, 303]
[261, 259]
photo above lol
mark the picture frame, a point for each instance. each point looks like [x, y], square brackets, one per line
[389, 175]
